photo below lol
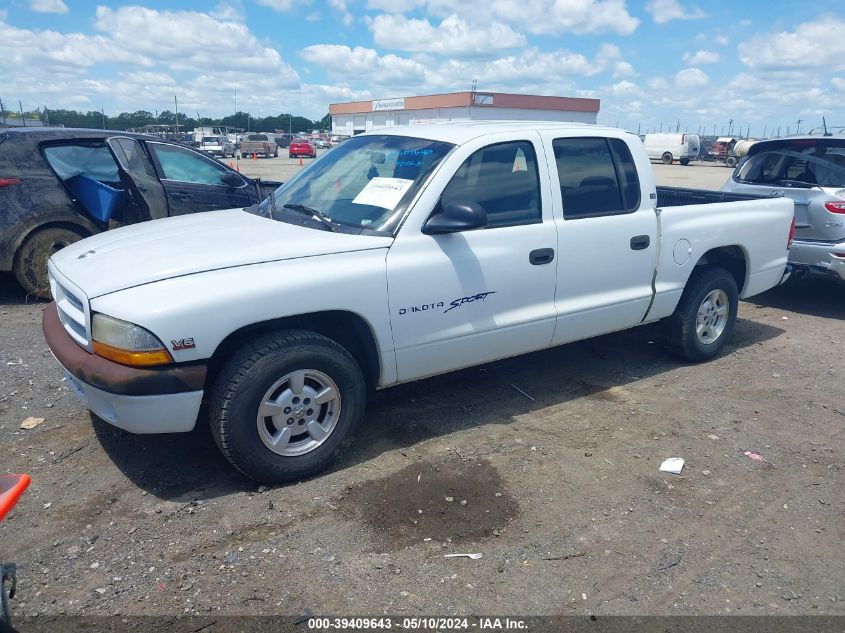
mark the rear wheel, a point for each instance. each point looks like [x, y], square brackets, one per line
[283, 406]
[730, 161]
[30, 265]
[684, 161]
[705, 315]
[667, 158]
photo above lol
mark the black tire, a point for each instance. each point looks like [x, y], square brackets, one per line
[730, 161]
[30, 265]
[242, 383]
[667, 158]
[681, 326]
[684, 161]
[277, 153]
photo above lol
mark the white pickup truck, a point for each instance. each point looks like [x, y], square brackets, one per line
[398, 255]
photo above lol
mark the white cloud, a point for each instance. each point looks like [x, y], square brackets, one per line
[394, 6]
[625, 88]
[722, 40]
[691, 78]
[663, 11]
[228, 12]
[281, 6]
[48, 6]
[453, 36]
[838, 83]
[623, 69]
[815, 45]
[189, 40]
[341, 7]
[700, 58]
[365, 63]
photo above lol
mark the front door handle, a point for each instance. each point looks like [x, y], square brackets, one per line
[541, 256]
[640, 242]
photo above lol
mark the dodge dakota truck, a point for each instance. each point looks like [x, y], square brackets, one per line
[398, 255]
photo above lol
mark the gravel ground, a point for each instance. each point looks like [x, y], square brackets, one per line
[546, 464]
[560, 492]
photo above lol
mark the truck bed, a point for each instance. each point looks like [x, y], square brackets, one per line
[680, 196]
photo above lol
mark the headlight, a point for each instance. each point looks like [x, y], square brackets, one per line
[127, 343]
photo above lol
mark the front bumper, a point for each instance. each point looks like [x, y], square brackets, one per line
[820, 257]
[153, 400]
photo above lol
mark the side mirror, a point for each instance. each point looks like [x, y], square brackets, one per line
[457, 216]
[231, 179]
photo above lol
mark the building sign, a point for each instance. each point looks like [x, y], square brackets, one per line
[482, 99]
[389, 104]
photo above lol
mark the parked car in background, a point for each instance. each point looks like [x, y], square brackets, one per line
[320, 143]
[668, 148]
[58, 185]
[283, 140]
[217, 146]
[810, 170]
[301, 146]
[337, 138]
[722, 150]
[259, 145]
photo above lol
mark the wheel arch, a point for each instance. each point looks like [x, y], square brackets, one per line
[733, 258]
[85, 229]
[348, 329]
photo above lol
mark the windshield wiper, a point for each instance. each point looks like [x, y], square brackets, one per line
[324, 219]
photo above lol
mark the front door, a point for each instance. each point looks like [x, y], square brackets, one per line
[469, 297]
[606, 238]
[194, 182]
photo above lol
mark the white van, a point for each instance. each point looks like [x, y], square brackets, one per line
[668, 148]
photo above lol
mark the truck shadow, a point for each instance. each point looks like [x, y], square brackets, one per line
[817, 297]
[190, 465]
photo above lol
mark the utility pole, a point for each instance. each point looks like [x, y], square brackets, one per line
[798, 129]
[176, 104]
[764, 131]
[678, 126]
[47, 116]
[290, 123]
[3, 111]
[730, 127]
[23, 118]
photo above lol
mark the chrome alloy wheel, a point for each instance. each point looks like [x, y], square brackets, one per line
[712, 316]
[298, 412]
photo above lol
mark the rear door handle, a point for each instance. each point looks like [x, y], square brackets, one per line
[640, 242]
[541, 256]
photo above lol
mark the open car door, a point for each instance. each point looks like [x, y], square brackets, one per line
[138, 175]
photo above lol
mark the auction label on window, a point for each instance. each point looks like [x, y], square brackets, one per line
[383, 192]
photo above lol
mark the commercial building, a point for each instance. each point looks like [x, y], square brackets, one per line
[364, 116]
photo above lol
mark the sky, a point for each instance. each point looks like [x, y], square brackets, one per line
[692, 64]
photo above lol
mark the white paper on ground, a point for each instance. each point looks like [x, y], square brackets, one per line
[672, 465]
[383, 192]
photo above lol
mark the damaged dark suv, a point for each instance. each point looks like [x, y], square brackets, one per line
[59, 185]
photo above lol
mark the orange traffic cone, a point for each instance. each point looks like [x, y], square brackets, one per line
[231, 165]
[254, 156]
[300, 161]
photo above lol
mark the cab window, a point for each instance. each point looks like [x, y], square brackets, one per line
[503, 179]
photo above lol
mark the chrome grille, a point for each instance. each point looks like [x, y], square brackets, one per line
[72, 311]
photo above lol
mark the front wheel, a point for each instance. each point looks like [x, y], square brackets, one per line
[667, 158]
[282, 407]
[705, 315]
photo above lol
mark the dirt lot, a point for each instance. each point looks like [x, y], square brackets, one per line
[546, 464]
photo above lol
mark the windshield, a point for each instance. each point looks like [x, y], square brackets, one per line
[365, 183]
[212, 140]
[811, 162]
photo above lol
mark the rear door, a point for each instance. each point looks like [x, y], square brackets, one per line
[606, 236]
[193, 182]
[138, 174]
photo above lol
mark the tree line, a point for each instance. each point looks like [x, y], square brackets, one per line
[140, 118]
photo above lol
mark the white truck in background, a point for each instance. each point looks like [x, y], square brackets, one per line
[668, 148]
[400, 254]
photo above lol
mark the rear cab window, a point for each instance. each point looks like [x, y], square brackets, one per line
[597, 177]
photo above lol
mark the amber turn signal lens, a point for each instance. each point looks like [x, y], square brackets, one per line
[134, 359]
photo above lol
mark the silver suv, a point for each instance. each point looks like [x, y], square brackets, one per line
[811, 171]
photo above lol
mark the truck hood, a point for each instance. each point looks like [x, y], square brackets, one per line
[173, 247]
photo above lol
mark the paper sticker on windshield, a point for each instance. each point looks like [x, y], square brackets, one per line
[383, 192]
